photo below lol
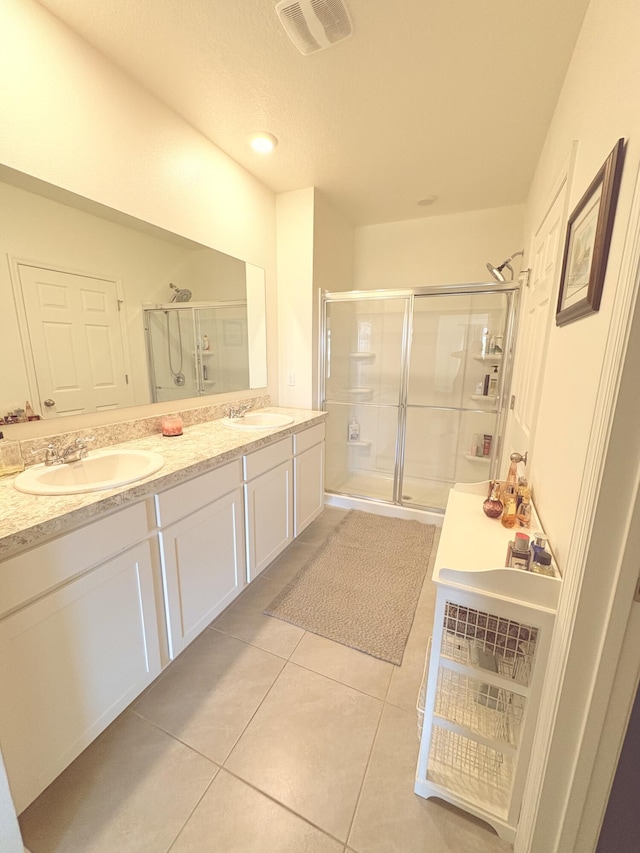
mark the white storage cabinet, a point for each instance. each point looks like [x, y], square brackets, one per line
[480, 699]
[202, 533]
[78, 642]
[268, 490]
[308, 476]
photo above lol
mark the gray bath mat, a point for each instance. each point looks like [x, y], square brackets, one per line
[362, 586]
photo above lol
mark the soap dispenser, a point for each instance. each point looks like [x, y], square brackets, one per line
[10, 457]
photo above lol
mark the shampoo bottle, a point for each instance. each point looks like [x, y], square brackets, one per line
[354, 430]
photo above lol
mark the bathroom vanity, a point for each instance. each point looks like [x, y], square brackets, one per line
[90, 617]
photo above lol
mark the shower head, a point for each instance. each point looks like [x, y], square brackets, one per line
[181, 294]
[496, 272]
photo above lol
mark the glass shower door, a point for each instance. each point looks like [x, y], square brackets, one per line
[454, 393]
[365, 342]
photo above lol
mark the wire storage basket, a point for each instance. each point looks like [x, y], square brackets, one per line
[482, 639]
[484, 709]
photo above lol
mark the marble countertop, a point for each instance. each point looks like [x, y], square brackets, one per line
[26, 520]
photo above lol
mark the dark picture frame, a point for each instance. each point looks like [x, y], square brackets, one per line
[586, 246]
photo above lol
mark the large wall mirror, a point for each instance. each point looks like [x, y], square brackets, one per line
[103, 311]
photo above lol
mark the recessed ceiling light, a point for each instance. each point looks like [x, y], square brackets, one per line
[430, 199]
[262, 142]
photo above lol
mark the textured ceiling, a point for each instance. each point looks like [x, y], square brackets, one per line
[428, 97]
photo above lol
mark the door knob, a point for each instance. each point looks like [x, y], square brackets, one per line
[48, 403]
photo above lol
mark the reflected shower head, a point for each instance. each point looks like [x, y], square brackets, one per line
[496, 272]
[181, 294]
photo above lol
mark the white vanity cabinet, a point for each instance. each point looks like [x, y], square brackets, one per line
[78, 642]
[268, 491]
[202, 550]
[308, 476]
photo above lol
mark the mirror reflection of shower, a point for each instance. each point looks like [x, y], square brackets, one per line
[497, 273]
[178, 375]
[196, 349]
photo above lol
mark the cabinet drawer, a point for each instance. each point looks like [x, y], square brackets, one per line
[263, 460]
[31, 574]
[308, 438]
[186, 498]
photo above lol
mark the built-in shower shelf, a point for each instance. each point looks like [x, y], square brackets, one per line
[485, 398]
[362, 356]
[359, 443]
[476, 458]
[497, 356]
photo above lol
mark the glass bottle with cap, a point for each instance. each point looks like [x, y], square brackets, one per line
[541, 564]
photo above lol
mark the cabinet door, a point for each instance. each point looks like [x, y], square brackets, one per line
[269, 505]
[308, 470]
[70, 663]
[204, 567]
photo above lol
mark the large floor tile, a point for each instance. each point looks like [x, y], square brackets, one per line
[131, 791]
[288, 564]
[318, 531]
[233, 817]
[210, 693]
[246, 621]
[406, 679]
[390, 818]
[308, 747]
[348, 666]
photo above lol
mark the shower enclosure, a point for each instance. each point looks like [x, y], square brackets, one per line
[420, 377]
[196, 348]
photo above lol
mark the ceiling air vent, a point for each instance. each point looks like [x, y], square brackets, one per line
[314, 24]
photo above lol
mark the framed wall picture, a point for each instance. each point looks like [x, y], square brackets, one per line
[586, 246]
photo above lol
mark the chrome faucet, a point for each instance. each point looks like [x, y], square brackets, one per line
[73, 453]
[235, 412]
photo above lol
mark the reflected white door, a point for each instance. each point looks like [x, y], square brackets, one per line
[76, 341]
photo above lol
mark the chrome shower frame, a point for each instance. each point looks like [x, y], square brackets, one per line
[511, 290]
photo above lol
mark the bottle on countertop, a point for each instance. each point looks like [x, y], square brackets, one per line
[539, 543]
[541, 564]
[354, 430]
[492, 506]
[523, 506]
[11, 461]
[509, 497]
[519, 552]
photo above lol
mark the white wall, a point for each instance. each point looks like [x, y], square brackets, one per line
[71, 118]
[598, 104]
[435, 250]
[295, 296]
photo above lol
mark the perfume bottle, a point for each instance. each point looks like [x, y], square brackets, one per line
[493, 506]
[509, 518]
[523, 511]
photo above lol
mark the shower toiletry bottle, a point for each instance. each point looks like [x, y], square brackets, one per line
[354, 430]
[492, 345]
[492, 507]
[485, 385]
[541, 564]
[205, 342]
[486, 444]
[10, 457]
[475, 449]
[493, 381]
[485, 341]
[479, 388]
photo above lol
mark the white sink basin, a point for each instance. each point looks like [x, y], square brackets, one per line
[102, 469]
[259, 420]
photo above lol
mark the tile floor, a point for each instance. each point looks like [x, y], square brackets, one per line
[261, 737]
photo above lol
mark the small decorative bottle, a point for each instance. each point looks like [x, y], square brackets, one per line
[493, 506]
[10, 457]
[509, 497]
[524, 507]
